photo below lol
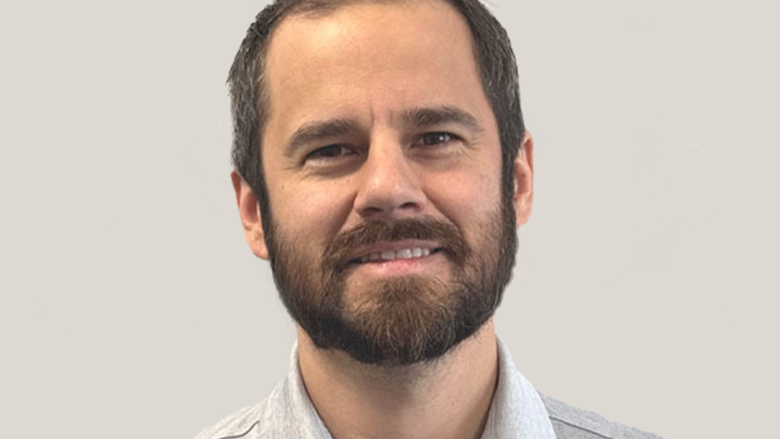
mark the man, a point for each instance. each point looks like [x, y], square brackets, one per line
[382, 167]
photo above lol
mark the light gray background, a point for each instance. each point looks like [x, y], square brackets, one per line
[645, 290]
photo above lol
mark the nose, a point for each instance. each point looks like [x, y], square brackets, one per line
[389, 184]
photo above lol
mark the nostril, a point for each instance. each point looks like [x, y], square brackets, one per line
[387, 193]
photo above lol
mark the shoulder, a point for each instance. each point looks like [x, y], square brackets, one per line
[573, 423]
[241, 424]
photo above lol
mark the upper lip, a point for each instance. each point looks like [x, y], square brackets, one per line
[392, 246]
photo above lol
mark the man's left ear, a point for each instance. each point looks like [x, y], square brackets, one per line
[524, 180]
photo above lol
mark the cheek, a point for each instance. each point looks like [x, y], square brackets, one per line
[466, 198]
[311, 214]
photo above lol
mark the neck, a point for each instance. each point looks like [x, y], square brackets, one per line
[448, 398]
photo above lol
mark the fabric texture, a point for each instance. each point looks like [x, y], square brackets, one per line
[517, 411]
[573, 423]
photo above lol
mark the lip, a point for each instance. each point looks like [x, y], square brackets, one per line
[392, 246]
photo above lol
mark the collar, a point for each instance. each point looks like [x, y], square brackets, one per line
[517, 410]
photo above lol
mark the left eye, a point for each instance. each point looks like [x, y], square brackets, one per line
[430, 139]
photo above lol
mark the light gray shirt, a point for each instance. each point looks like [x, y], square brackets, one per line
[516, 412]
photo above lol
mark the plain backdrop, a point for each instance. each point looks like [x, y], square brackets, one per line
[646, 285]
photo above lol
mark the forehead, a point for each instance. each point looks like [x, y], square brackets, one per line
[370, 60]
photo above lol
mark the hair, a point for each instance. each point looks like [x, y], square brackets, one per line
[250, 104]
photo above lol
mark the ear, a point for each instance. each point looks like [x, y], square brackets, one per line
[524, 180]
[249, 211]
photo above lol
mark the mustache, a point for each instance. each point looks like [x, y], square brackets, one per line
[448, 236]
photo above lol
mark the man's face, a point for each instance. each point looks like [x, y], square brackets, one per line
[382, 160]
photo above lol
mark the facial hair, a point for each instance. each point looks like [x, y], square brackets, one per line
[396, 321]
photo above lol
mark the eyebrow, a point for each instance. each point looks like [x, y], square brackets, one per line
[429, 116]
[318, 130]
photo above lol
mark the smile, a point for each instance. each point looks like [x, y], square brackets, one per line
[406, 253]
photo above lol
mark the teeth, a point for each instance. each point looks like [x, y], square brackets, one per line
[407, 253]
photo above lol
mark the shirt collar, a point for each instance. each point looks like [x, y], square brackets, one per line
[516, 411]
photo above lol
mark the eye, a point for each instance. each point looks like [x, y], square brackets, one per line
[329, 152]
[436, 138]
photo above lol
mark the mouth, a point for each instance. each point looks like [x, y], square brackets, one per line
[392, 255]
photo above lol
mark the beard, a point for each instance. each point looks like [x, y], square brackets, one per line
[403, 320]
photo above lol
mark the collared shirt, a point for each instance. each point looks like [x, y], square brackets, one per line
[517, 410]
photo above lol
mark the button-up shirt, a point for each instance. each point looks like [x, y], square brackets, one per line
[517, 410]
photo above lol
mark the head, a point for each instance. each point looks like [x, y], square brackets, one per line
[251, 107]
[374, 80]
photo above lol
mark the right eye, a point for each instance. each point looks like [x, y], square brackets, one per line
[330, 152]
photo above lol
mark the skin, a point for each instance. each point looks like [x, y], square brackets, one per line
[369, 64]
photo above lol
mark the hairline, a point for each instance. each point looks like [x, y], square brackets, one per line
[314, 11]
